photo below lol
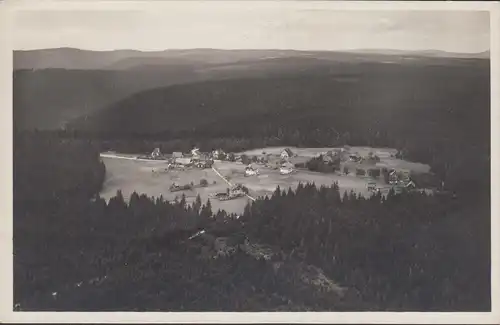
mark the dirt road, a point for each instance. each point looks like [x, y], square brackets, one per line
[228, 182]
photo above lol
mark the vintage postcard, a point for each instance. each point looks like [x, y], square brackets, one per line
[263, 161]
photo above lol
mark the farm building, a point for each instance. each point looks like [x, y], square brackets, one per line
[286, 168]
[218, 154]
[286, 153]
[402, 177]
[250, 170]
[156, 153]
[204, 163]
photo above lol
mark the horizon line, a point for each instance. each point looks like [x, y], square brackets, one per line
[250, 49]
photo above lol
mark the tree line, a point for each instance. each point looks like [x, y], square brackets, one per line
[404, 252]
[408, 251]
[461, 162]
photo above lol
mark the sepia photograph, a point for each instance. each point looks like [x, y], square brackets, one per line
[279, 156]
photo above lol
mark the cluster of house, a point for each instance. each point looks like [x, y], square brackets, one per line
[286, 167]
[236, 191]
[398, 180]
[283, 164]
[401, 178]
[343, 154]
[196, 158]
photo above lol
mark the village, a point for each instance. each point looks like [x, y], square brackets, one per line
[258, 172]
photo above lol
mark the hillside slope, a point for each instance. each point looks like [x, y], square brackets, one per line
[72, 58]
[404, 98]
[54, 86]
[47, 99]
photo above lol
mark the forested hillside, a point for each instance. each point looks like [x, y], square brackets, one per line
[405, 252]
[48, 99]
[72, 83]
[435, 114]
[384, 97]
[408, 252]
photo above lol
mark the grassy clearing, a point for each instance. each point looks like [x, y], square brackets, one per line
[130, 175]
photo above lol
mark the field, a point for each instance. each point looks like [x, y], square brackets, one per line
[125, 173]
[384, 153]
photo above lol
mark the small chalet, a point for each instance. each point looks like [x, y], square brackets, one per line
[286, 153]
[156, 153]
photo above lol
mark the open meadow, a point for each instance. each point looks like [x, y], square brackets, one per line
[385, 155]
[127, 174]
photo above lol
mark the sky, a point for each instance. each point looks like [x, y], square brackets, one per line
[259, 27]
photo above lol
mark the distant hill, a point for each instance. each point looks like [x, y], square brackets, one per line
[410, 98]
[77, 59]
[427, 53]
[54, 86]
[48, 98]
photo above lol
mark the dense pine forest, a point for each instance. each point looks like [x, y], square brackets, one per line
[74, 251]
